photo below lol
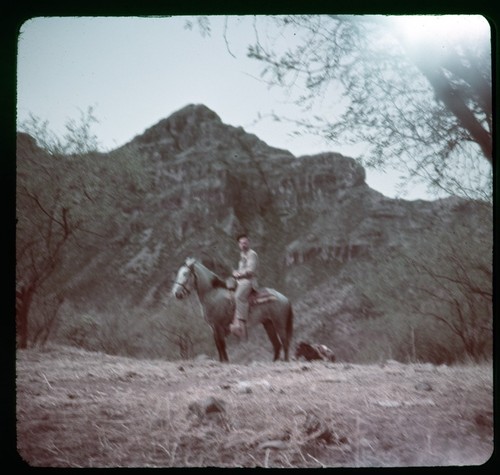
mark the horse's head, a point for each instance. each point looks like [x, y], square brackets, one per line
[184, 280]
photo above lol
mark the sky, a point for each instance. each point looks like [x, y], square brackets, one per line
[136, 71]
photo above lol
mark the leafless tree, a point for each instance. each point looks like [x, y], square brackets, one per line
[421, 104]
[78, 138]
[48, 218]
[457, 290]
[39, 250]
[45, 326]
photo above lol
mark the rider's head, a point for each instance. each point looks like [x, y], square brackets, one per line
[241, 235]
[243, 241]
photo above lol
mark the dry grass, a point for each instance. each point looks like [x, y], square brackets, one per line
[82, 409]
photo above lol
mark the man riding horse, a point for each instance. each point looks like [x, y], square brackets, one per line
[269, 307]
[246, 278]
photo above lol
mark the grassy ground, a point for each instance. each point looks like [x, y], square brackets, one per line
[83, 409]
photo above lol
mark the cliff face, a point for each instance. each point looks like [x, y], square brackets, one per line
[213, 180]
[190, 183]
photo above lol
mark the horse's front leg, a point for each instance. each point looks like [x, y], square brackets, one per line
[220, 343]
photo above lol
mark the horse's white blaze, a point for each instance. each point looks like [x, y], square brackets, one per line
[181, 284]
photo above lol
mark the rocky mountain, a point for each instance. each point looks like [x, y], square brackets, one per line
[190, 183]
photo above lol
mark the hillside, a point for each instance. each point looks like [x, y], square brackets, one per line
[360, 268]
[86, 409]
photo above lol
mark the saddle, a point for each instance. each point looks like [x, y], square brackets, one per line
[256, 297]
[259, 296]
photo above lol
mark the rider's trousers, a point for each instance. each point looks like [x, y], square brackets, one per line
[241, 296]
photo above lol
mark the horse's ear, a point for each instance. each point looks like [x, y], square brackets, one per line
[190, 261]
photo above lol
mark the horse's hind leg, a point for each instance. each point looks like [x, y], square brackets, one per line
[285, 340]
[271, 333]
[283, 331]
[220, 343]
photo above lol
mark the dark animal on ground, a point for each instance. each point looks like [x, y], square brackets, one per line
[314, 351]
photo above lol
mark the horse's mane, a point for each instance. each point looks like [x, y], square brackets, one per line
[218, 282]
[215, 280]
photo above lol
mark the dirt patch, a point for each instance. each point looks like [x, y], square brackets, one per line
[83, 409]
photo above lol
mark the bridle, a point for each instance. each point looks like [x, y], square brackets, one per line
[195, 278]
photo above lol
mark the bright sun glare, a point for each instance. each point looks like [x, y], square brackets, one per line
[442, 27]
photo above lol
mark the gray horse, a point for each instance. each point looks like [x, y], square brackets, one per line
[270, 308]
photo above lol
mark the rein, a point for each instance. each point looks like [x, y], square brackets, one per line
[195, 277]
[183, 286]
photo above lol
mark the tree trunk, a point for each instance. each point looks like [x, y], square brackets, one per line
[23, 304]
